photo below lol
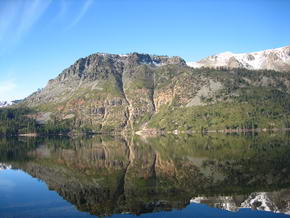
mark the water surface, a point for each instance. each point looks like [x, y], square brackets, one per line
[166, 176]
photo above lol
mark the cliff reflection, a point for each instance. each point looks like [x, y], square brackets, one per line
[106, 175]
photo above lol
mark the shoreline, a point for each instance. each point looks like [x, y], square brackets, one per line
[177, 132]
[155, 132]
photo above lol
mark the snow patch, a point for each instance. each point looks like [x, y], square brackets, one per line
[157, 64]
[260, 201]
[257, 201]
[197, 200]
[5, 103]
[4, 166]
[194, 64]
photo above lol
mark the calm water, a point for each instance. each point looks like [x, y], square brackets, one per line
[168, 176]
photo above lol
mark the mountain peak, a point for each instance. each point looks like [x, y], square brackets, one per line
[131, 58]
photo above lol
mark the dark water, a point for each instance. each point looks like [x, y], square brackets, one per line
[167, 176]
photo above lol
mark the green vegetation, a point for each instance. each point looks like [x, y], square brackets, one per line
[15, 121]
[244, 102]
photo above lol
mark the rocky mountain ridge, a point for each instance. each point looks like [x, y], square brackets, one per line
[106, 92]
[105, 86]
[272, 59]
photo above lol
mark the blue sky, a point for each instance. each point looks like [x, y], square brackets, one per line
[39, 38]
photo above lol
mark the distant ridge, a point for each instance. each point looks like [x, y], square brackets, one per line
[5, 103]
[8, 103]
[277, 59]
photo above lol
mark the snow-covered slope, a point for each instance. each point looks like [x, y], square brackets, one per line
[9, 103]
[260, 201]
[273, 59]
[5, 103]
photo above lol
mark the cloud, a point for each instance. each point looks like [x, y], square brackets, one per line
[62, 12]
[17, 17]
[8, 14]
[6, 89]
[81, 13]
[32, 11]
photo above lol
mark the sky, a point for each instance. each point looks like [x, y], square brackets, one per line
[40, 38]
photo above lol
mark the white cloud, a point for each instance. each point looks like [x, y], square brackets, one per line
[6, 90]
[8, 13]
[17, 17]
[81, 13]
[9, 91]
[31, 12]
[6, 87]
[62, 11]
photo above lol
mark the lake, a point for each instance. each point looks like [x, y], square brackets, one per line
[215, 175]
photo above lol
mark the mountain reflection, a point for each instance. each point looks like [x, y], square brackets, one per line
[106, 175]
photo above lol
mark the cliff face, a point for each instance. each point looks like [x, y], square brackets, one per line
[102, 91]
[106, 92]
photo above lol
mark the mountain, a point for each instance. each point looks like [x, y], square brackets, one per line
[8, 103]
[149, 93]
[5, 104]
[273, 59]
[103, 91]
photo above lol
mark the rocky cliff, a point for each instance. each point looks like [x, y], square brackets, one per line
[102, 91]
